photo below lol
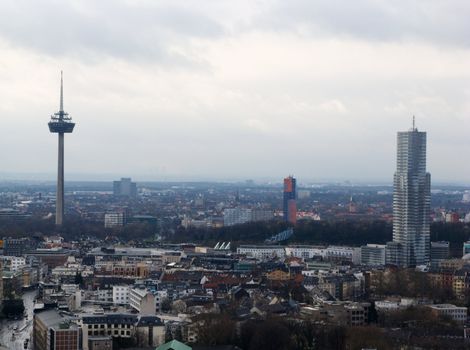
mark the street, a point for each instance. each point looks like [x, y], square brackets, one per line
[14, 332]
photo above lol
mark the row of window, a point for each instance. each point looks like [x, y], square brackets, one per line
[116, 332]
[115, 325]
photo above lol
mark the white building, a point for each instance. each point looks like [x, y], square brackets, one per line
[458, 314]
[114, 219]
[121, 294]
[14, 262]
[305, 251]
[351, 254]
[104, 295]
[235, 216]
[262, 252]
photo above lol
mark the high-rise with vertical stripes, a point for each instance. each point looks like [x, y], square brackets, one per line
[412, 199]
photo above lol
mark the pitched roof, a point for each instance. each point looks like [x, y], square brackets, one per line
[173, 345]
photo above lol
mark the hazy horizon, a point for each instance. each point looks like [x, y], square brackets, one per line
[235, 90]
[51, 178]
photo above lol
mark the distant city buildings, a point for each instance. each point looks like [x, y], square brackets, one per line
[411, 199]
[125, 188]
[289, 200]
[466, 197]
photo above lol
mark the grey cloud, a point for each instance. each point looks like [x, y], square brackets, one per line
[443, 22]
[111, 28]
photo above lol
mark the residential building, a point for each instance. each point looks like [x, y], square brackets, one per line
[142, 301]
[13, 263]
[121, 294]
[238, 215]
[235, 216]
[114, 219]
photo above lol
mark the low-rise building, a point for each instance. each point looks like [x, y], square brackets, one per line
[456, 313]
[142, 301]
[55, 331]
[121, 295]
[373, 255]
[262, 252]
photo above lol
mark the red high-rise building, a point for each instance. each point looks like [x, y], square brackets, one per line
[289, 200]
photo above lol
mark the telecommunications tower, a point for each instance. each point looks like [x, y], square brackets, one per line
[60, 124]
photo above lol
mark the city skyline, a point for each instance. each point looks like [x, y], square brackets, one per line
[212, 94]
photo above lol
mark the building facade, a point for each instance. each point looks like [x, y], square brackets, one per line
[289, 200]
[125, 188]
[114, 219]
[439, 251]
[373, 255]
[411, 199]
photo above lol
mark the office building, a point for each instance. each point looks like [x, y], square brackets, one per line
[147, 331]
[373, 255]
[55, 331]
[411, 199]
[125, 188]
[456, 313]
[15, 246]
[289, 200]
[439, 251]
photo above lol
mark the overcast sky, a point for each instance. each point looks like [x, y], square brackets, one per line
[235, 89]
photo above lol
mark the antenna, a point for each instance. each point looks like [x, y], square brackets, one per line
[61, 109]
[414, 123]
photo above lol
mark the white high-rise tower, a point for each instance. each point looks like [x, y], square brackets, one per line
[412, 199]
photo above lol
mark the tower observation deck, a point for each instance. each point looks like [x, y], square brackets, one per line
[60, 124]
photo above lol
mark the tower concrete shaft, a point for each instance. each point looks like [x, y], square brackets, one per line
[60, 123]
[59, 210]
